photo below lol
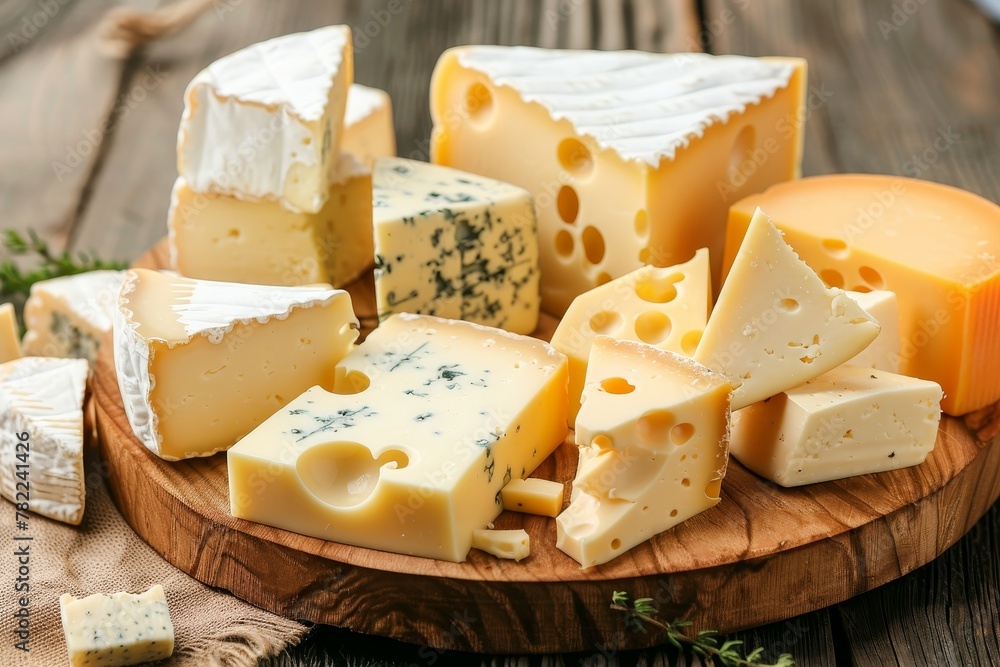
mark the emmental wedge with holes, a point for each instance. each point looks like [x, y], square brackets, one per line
[933, 245]
[653, 435]
[775, 324]
[632, 158]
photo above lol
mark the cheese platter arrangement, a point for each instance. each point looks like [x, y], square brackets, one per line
[607, 340]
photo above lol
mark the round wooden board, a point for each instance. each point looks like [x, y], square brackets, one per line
[763, 554]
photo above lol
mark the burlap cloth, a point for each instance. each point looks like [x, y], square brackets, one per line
[103, 555]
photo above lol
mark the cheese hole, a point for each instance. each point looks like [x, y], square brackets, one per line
[606, 322]
[593, 245]
[564, 243]
[641, 223]
[788, 305]
[714, 489]
[656, 289]
[644, 255]
[344, 474]
[652, 327]
[479, 103]
[567, 204]
[835, 248]
[681, 433]
[654, 425]
[602, 278]
[616, 544]
[872, 277]
[306, 141]
[739, 156]
[352, 382]
[617, 386]
[861, 288]
[689, 342]
[685, 482]
[832, 278]
[234, 233]
[673, 513]
[575, 158]
[601, 442]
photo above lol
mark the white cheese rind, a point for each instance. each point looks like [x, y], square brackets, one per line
[653, 434]
[180, 310]
[643, 106]
[117, 630]
[850, 421]
[67, 316]
[431, 419]
[775, 324]
[43, 398]
[456, 245]
[265, 122]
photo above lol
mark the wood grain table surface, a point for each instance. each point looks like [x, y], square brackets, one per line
[909, 87]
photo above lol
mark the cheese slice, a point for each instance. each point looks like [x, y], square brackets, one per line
[850, 421]
[201, 363]
[935, 246]
[368, 128]
[664, 307]
[454, 245]
[430, 419]
[10, 340]
[68, 316]
[533, 496]
[41, 435]
[775, 324]
[653, 435]
[509, 544]
[883, 353]
[632, 158]
[219, 237]
[265, 122]
[116, 630]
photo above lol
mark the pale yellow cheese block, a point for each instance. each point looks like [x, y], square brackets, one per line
[368, 128]
[509, 544]
[430, 420]
[10, 341]
[664, 307]
[850, 421]
[884, 351]
[632, 158]
[220, 237]
[533, 496]
[653, 435]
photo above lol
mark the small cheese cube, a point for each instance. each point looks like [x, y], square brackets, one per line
[265, 122]
[431, 419]
[68, 316]
[219, 237]
[775, 324]
[883, 353]
[653, 438]
[664, 307]
[533, 496]
[850, 421]
[117, 630]
[933, 245]
[509, 544]
[368, 129]
[201, 363]
[454, 245]
[10, 340]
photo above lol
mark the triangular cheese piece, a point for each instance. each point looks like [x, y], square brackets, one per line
[368, 129]
[776, 324]
[41, 434]
[653, 434]
[632, 158]
[201, 363]
[10, 344]
[265, 122]
[663, 307]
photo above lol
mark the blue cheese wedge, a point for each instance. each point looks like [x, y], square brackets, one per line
[41, 435]
[454, 245]
[117, 630]
[430, 420]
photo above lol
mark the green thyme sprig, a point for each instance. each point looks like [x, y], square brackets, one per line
[706, 643]
[14, 281]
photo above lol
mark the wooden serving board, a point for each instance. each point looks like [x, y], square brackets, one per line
[763, 554]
